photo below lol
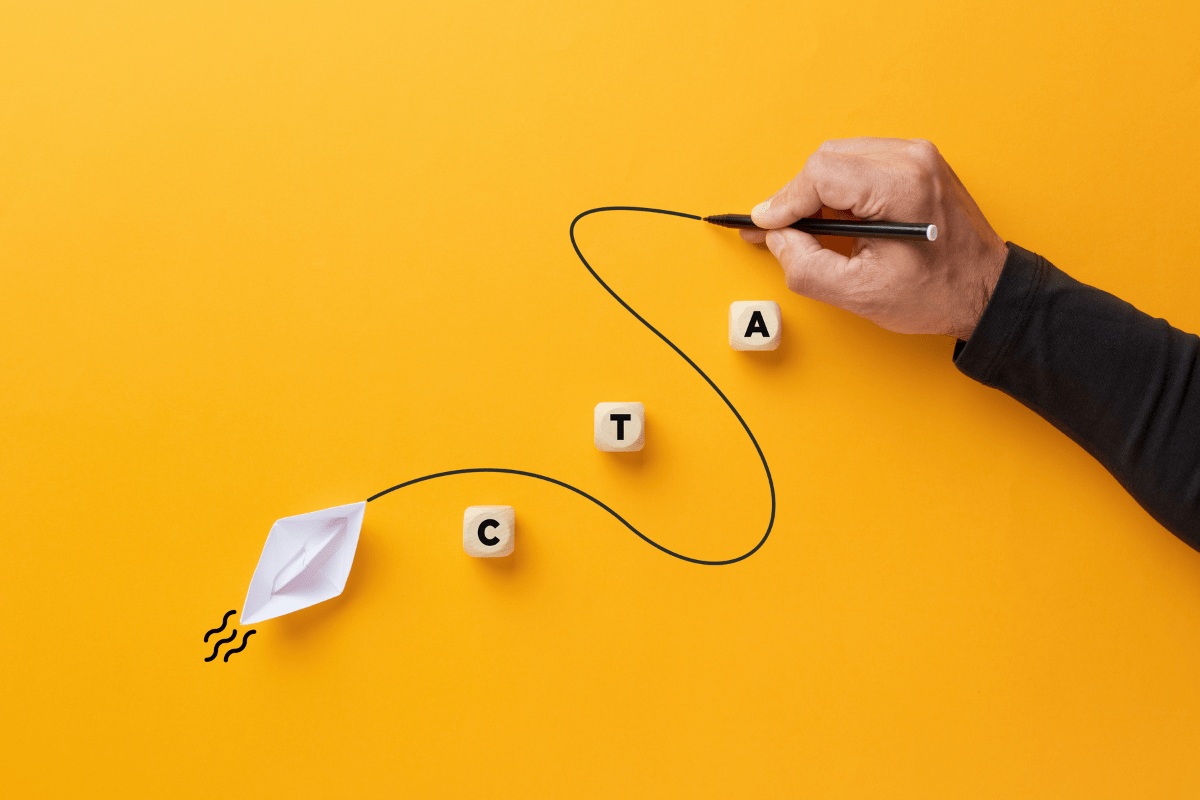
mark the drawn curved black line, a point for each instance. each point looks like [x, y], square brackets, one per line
[241, 646]
[228, 614]
[220, 642]
[692, 364]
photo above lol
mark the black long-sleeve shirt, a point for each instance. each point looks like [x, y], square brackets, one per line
[1124, 385]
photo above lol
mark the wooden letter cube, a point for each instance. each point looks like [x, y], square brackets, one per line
[620, 427]
[754, 325]
[488, 531]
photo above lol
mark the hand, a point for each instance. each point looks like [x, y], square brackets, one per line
[904, 286]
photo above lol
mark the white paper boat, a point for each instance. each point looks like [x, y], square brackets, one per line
[306, 560]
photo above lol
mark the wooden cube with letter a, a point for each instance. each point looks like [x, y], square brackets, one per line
[619, 427]
[488, 531]
[755, 325]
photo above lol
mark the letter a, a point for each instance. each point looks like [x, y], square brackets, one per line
[757, 325]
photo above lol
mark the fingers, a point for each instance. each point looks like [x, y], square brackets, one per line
[798, 198]
[809, 269]
[752, 236]
[755, 236]
[860, 184]
[865, 176]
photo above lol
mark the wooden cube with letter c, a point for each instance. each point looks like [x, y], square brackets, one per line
[488, 531]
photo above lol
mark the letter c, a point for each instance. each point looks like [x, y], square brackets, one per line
[483, 537]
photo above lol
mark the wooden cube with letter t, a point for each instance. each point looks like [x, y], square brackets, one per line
[619, 427]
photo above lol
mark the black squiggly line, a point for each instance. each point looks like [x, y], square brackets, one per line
[224, 621]
[241, 646]
[692, 364]
[220, 642]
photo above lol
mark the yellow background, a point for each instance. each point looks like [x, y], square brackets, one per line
[262, 258]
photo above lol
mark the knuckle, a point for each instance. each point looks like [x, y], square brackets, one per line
[923, 149]
[924, 157]
[816, 173]
[816, 161]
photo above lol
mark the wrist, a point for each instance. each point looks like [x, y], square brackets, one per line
[979, 288]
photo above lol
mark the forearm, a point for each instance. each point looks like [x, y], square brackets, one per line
[1124, 385]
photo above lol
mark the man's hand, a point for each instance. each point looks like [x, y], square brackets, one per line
[904, 286]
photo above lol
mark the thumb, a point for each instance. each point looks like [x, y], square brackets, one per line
[808, 268]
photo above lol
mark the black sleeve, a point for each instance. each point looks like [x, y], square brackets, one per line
[1124, 385]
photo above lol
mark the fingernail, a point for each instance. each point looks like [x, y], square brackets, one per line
[775, 242]
[761, 208]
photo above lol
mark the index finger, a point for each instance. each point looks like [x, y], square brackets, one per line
[844, 181]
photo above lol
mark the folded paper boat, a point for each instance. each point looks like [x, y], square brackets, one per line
[306, 560]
